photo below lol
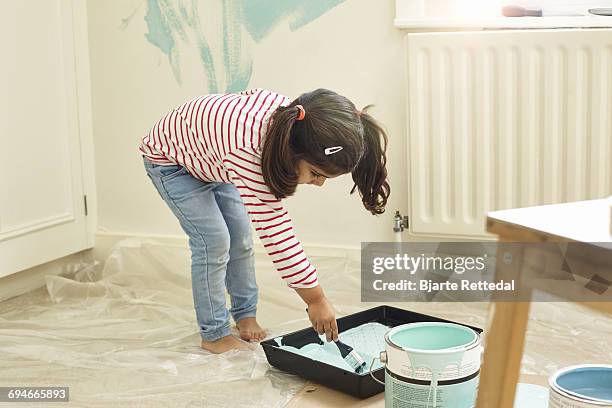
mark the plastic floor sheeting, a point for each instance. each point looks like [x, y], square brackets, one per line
[122, 333]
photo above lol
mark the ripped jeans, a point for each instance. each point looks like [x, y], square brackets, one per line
[217, 224]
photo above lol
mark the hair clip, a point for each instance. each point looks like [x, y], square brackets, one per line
[332, 150]
[301, 112]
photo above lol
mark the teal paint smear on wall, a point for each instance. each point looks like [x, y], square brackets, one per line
[164, 25]
[171, 21]
[159, 33]
[204, 51]
[207, 61]
[237, 62]
[307, 13]
[264, 15]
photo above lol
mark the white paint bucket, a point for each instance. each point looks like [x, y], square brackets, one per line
[431, 364]
[581, 386]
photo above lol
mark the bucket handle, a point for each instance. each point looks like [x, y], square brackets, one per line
[383, 356]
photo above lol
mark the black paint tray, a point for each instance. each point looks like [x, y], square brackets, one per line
[360, 386]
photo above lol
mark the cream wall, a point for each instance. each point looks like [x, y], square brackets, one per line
[353, 49]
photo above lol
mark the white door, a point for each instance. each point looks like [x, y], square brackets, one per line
[42, 205]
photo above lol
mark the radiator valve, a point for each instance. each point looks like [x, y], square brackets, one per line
[399, 222]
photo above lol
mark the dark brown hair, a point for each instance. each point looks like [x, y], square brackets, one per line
[331, 120]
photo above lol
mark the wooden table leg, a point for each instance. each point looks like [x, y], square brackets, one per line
[505, 336]
[503, 353]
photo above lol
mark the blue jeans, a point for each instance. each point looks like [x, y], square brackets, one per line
[217, 224]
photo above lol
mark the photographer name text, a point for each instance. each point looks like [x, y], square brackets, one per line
[427, 285]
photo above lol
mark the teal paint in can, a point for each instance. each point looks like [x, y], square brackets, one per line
[431, 364]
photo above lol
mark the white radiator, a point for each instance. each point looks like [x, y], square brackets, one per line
[505, 119]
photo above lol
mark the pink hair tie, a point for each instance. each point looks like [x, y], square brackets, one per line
[301, 113]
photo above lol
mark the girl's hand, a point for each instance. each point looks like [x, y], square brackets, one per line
[320, 312]
[323, 319]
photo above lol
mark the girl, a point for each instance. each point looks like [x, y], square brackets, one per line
[220, 160]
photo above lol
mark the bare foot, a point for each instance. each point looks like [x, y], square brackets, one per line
[250, 330]
[224, 344]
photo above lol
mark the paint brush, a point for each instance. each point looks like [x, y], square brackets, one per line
[348, 354]
[519, 11]
[351, 356]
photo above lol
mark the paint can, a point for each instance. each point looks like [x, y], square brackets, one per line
[581, 386]
[431, 364]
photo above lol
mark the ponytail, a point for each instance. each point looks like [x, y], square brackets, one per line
[370, 175]
[277, 159]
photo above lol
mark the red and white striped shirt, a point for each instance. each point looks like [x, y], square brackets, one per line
[218, 137]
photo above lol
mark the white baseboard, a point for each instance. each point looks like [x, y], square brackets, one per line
[34, 278]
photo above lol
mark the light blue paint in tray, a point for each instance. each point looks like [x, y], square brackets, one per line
[368, 340]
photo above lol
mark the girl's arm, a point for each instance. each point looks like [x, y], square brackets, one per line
[320, 312]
